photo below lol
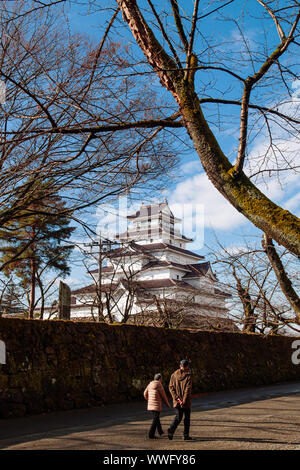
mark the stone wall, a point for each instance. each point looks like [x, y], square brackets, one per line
[52, 365]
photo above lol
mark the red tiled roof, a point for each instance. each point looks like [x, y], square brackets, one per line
[159, 246]
[125, 250]
[149, 284]
[92, 288]
[157, 264]
[187, 304]
[146, 249]
[104, 269]
[154, 264]
[79, 306]
[159, 283]
[149, 231]
[152, 232]
[85, 289]
[197, 270]
[223, 293]
[149, 210]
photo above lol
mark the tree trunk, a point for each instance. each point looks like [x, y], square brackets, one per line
[236, 187]
[42, 309]
[250, 318]
[284, 282]
[245, 298]
[108, 297]
[32, 288]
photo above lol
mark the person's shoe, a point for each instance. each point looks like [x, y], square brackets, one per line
[170, 434]
[188, 438]
[161, 433]
[152, 437]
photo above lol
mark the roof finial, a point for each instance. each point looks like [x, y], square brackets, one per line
[165, 200]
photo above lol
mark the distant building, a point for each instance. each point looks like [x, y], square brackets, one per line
[152, 278]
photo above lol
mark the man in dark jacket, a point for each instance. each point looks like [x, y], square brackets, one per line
[180, 387]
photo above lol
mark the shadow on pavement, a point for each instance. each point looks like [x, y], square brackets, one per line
[61, 423]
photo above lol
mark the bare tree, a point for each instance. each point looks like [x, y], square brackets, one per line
[59, 89]
[114, 296]
[281, 275]
[258, 303]
[164, 310]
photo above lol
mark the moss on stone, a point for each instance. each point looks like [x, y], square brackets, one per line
[87, 375]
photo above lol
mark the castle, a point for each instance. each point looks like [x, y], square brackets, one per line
[152, 278]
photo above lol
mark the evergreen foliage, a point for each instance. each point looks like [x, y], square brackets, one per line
[34, 242]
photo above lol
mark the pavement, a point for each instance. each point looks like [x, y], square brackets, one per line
[260, 418]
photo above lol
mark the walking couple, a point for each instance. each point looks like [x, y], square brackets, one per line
[180, 386]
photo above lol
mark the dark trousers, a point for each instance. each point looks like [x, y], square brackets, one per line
[155, 424]
[178, 417]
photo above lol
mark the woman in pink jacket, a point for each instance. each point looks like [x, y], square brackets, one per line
[155, 394]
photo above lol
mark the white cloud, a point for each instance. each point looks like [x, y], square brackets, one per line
[70, 280]
[282, 187]
[112, 219]
[293, 204]
[219, 214]
[283, 151]
[278, 190]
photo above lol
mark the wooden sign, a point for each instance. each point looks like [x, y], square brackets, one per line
[64, 301]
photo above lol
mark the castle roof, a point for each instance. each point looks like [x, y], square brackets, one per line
[146, 285]
[198, 270]
[148, 248]
[152, 210]
[91, 288]
[152, 232]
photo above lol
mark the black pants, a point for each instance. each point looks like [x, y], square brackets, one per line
[155, 424]
[178, 417]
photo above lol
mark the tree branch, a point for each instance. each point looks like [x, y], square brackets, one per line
[179, 25]
[271, 13]
[165, 35]
[284, 281]
[250, 82]
[192, 36]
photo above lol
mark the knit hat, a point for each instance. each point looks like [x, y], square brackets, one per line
[184, 362]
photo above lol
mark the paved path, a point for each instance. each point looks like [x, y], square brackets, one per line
[262, 418]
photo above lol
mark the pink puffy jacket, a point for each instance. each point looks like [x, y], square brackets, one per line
[154, 394]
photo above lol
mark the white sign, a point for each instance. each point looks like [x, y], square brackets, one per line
[2, 92]
[2, 352]
[295, 355]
